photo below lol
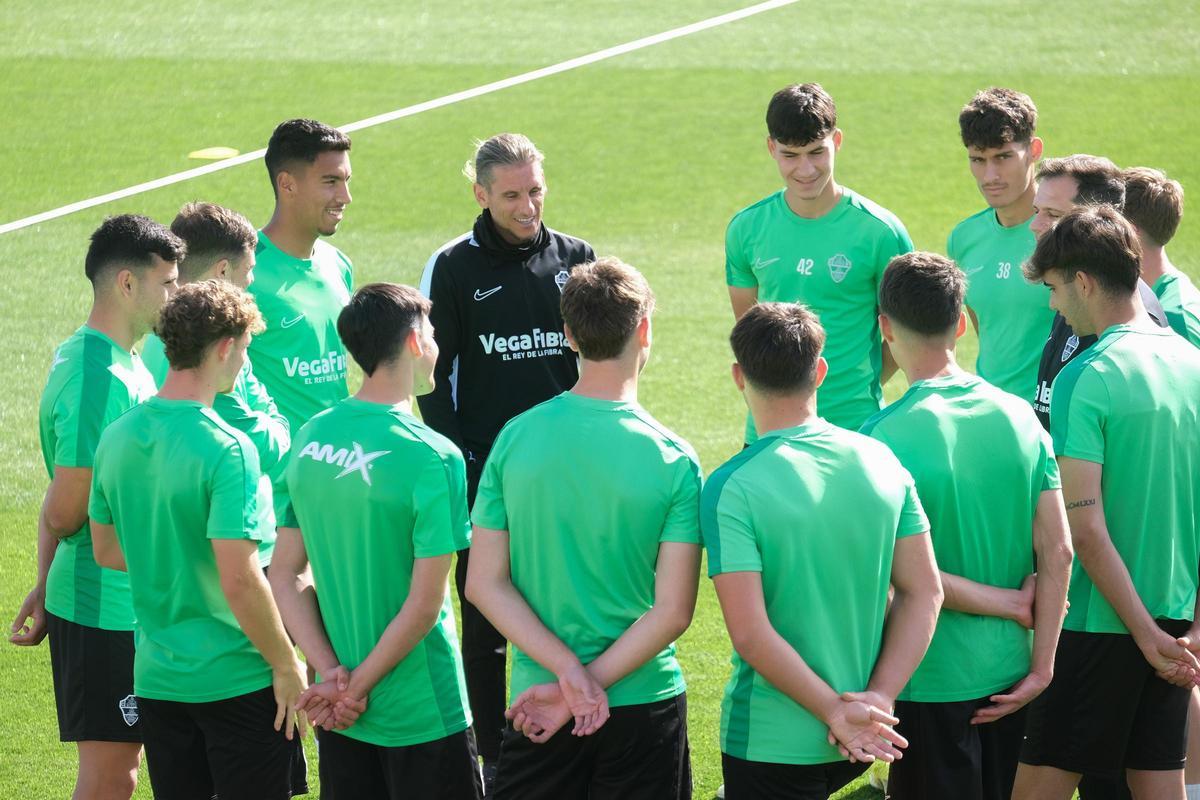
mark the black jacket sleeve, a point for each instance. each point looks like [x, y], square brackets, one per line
[438, 408]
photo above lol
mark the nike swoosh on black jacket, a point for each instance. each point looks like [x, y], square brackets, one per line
[504, 352]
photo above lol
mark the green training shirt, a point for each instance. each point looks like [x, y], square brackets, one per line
[171, 476]
[373, 489]
[299, 357]
[817, 510]
[588, 490]
[832, 265]
[92, 381]
[1014, 317]
[250, 409]
[980, 461]
[1181, 302]
[1132, 403]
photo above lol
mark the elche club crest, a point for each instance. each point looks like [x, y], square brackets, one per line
[129, 710]
[1069, 348]
[839, 267]
[560, 280]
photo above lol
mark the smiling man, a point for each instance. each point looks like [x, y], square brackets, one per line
[821, 244]
[1009, 314]
[301, 283]
[495, 293]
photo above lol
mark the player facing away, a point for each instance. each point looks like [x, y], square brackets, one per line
[586, 554]
[1154, 204]
[1063, 184]
[1126, 428]
[818, 243]
[220, 245]
[987, 478]
[172, 503]
[805, 530]
[95, 377]
[496, 318]
[301, 282]
[378, 506]
[1009, 315]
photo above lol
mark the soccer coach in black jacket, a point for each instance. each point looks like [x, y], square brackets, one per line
[495, 294]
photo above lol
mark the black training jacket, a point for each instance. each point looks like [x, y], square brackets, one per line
[1063, 345]
[499, 330]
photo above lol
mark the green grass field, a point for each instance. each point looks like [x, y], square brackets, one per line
[648, 156]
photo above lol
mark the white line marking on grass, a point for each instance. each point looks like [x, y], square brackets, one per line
[391, 116]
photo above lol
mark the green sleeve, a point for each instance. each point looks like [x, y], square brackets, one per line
[683, 518]
[233, 485]
[347, 272]
[729, 535]
[1049, 465]
[1078, 412]
[489, 510]
[737, 267]
[98, 508]
[250, 409]
[440, 524]
[912, 514]
[78, 420]
[1186, 324]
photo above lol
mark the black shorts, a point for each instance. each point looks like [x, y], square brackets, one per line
[1106, 711]
[93, 682]
[947, 756]
[229, 748]
[762, 780]
[444, 769]
[641, 753]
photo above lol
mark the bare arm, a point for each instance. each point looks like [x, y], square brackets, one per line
[861, 729]
[29, 626]
[675, 583]
[249, 598]
[742, 299]
[1052, 543]
[984, 600]
[417, 617]
[1081, 481]
[912, 618]
[106, 549]
[292, 586]
[66, 505]
[490, 588]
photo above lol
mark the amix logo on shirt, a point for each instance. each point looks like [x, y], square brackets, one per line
[535, 344]
[331, 367]
[354, 460]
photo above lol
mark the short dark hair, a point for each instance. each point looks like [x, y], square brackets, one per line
[211, 232]
[130, 240]
[1153, 202]
[996, 116]
[1092, 239]
[602, 303]
[301, 140]
[801, 113]
[777, 345]
[201, 314]
[923, 293]
[377, 321]
[1099, 180]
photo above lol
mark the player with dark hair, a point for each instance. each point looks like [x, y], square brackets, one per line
[377, 507]
[96, 376]
[587, 559]
[821, 244]
[1064, 184]
[496, 318]
[995, 521]
[805, 530]
[220, 245]
[1125, 421]
[998, 128]
[173, 503]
